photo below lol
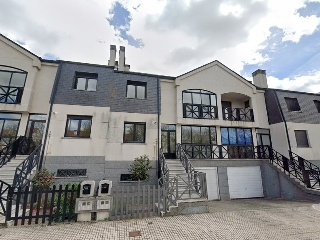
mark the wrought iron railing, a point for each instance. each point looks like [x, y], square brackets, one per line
[238, 114]
[4, 190]
[10, 94]
[200, 111]
[23, 171]
[207, 151]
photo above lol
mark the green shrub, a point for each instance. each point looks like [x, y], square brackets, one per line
[140, 167]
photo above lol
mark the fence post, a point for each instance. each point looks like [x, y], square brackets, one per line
[9, 204]
[285, 162]
[305, 173]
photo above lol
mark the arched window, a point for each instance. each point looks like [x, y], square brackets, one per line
[12, 82]
[199, 104]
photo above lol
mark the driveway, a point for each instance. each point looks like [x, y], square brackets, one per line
[236, 219]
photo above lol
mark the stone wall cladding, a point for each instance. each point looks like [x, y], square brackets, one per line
[273, 112]
[111, 89]
[308, 113]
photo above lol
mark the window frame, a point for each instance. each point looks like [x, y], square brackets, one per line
[307, 139]
[317, 104]
[136, 84]
[134, 132]
[79, 118]
[87, 76]
[296, 104]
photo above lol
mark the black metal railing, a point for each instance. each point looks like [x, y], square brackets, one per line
[23, 171]
[4, 190]
[207, 151]
[10, 94]
[200, 111]
[238, 114]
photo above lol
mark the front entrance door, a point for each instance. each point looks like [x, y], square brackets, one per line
[34, 132]
[168, 140]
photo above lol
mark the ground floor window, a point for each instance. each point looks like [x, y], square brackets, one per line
[134, 132]
[236, 136]
[301, 138]
[9, 124]
[78, 126]
[198, 135]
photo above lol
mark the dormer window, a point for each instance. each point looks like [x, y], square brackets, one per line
[12, 81]
[86, 81]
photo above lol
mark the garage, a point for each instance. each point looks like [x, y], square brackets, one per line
[212, 181]
[245, 182]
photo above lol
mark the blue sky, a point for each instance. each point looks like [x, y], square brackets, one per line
[172, 37]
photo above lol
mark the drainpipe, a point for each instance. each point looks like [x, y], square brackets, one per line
[283, 119]
[53, 94]
[158, 143]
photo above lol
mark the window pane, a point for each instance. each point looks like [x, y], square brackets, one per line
[128, 132]
[301, 138]
[81, 83]
[172, 127]
[213, 100]
[72, 129]
[224, 136]
[187, 98]
[18, 80]
[196, 98]
[10, 128]
[205, 135]
[205, 99]
[241, 139]
[5, 78]
[213, 135]
[38, 117]
[141, 92]
[164, 142]
[10, 116]
[92, 84]
[196, 135]
[85, 128]
[292, 104]
[140, 129]
[186, 134]
[248, 136]
[131, 91]
[232, 136]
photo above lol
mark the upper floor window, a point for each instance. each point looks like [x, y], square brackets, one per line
[136, 89]
[134, 132]
[78, 126]
[301, 138]
[317, 103]
[86, 81]
[12, 81]
[292, 104]
[199, 104]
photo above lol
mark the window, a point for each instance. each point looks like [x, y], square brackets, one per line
[198, 135]
[136, 90]
[301, 138]
[9, 124]
[134, 132]
[78, 126]
[317, 103]
[292, 104]
[199, 104]
[71, 172]
[12, 82]
[86, 81]
[236, 136]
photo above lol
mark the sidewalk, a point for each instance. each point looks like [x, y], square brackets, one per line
[241, 219]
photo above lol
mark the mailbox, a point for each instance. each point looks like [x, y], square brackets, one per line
[105, 187]
[87, 189]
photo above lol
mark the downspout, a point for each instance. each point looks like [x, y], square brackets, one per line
[53, 94]
[158, 109]
[283, 119]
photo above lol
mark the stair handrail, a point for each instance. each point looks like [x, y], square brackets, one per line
[4, 190]
[306, 171]
[164, 170]
[10, 151]
[194, 176]
[23, 171]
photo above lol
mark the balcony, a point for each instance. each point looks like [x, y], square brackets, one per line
[200, 111]
[238, 114]
[11, 95]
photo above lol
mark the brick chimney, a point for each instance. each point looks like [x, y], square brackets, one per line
[260, 78]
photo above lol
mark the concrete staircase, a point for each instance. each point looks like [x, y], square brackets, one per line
[189, 201]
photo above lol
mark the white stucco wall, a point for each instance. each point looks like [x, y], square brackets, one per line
[279, 138]
[168, 102]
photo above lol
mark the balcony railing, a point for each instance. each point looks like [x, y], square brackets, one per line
[206, 151]
[238, 114]
[200, 111]
[10, 95]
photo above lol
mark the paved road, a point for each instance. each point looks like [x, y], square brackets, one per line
[240, 219]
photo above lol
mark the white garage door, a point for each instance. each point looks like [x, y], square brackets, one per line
[212, 181]
[245, 182]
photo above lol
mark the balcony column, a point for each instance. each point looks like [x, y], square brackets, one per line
[178, 133]
[218, 131]
[23, 124]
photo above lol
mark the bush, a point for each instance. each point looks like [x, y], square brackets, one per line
[43, 178]
[140, 167]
